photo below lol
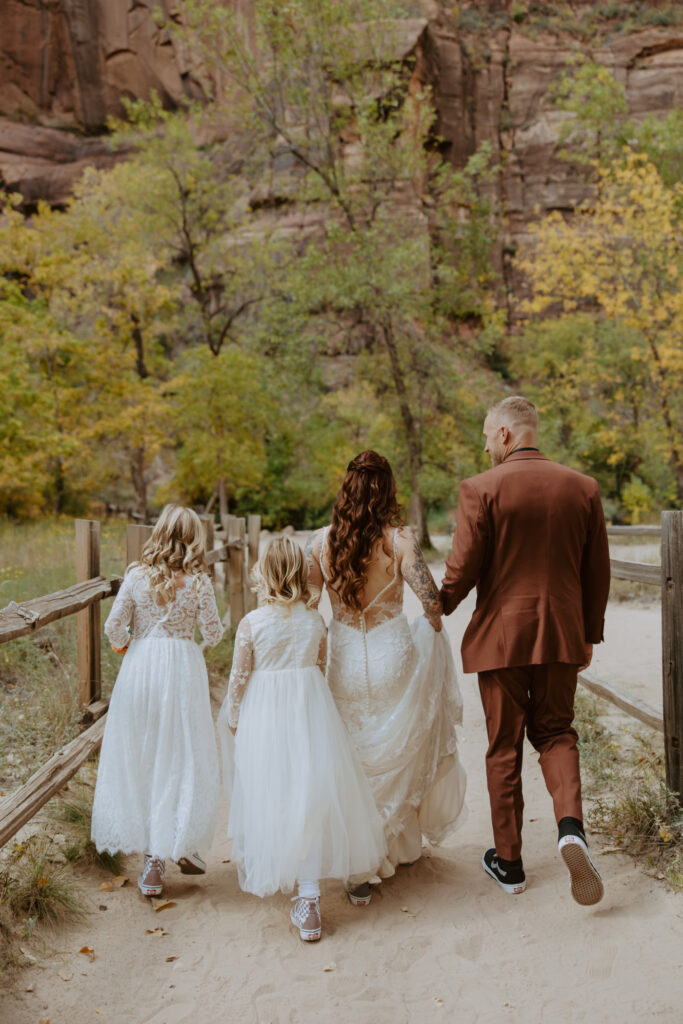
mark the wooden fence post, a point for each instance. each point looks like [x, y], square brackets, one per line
[253, 537]
[235, 569]
[207, 526]
[672, 647]
[136, 538]
[89, 620]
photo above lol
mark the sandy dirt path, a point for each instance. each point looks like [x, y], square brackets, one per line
[440, 941]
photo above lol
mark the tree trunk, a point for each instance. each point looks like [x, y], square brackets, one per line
[418, 518]
[137, 476]
[223, 499]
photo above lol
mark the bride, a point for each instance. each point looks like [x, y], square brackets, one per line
[394, 683]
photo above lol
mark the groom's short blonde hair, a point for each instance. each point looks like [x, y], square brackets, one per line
[516, 411]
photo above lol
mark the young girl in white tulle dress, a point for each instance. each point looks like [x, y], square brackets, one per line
[157, 782]
[301, 807]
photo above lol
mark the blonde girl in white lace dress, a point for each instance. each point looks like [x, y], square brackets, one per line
[158, 776]
[301, 808]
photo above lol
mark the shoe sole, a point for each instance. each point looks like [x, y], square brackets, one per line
[586, 884]
[359, 901]
[308, 936]
[188, 867]
[511, 890]
[150, 890]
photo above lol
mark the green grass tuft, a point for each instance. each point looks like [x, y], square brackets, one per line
[37, 889]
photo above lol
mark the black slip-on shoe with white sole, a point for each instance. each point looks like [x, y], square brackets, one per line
[584, 878]
[509, 875]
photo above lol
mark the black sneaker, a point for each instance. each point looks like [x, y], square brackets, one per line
[509, 874]
[584, 878]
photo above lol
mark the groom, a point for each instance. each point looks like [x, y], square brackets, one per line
[531, 535]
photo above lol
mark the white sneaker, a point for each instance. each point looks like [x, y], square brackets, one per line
[305, 915]
[192, 864]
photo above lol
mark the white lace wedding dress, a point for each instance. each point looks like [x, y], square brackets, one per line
[300, 805]
[158, 776]
[396, 689]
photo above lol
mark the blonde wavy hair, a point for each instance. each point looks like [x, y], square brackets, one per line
[281, 574]
[176, 545]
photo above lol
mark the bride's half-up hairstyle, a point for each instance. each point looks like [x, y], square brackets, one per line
[176, 545]
[365, 506]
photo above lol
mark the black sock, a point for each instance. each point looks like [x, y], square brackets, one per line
[509, 865]
[568, 826]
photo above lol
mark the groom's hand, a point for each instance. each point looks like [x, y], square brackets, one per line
[589, 657]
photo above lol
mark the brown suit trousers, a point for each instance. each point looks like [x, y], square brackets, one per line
[540, 698]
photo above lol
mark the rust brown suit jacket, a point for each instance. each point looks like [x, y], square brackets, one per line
[531, 535]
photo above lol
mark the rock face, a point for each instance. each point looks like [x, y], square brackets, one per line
[67, 64]
[500, 92]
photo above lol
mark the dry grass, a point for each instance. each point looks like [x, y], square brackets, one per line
[36, 887]
[631, 805]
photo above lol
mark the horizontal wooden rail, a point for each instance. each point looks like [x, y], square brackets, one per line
[21, 806]
[634, 531]
[631, 705]
[31, 615]
[638, 572]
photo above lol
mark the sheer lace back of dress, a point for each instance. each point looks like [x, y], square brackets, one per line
[136, 606]
[386, 605]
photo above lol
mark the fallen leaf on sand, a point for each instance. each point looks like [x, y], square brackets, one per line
[66, 975]
[439, 1002]
[44, 1020]
[405, 910]
[114, 883]
[170, 959]
[29, 956]
[226, 861]
[87, 951]
[157, 932]
[330, 967]
[161, 904]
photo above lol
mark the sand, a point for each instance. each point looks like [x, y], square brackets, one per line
[440, 941]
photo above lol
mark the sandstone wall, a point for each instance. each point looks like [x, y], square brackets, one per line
[66, 64]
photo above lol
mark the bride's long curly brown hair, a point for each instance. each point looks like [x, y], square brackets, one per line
[365, 506]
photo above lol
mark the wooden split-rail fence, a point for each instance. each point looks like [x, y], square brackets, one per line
[668, 576]
[234, 547]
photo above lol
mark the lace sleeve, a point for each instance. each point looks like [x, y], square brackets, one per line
[121, 616]
[242, 663]
[415, 572]
[207, 614]
[315, 576]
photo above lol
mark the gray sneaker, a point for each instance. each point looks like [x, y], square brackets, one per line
[305, 915]
[192, 864]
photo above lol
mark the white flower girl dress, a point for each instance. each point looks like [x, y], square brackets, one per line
[158, 776]
[301, 806]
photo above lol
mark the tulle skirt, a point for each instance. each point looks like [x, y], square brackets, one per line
[397, 692]
[158, 777]
[301, 807]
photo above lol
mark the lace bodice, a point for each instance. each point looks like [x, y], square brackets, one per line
[136, 606]
[407, 565]
[274, 638]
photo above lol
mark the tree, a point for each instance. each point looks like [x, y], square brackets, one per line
[326, 97]
[621, 255]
